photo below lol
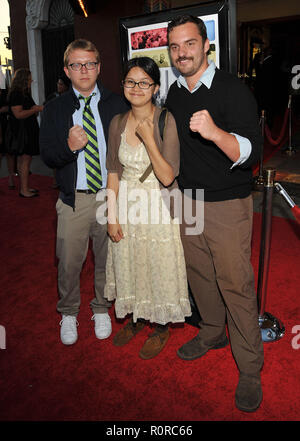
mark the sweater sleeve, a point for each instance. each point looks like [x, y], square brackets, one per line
[112, 161]
[242, 119]
[54, 148]
[170, 147]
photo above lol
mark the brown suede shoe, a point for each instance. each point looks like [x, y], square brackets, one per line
[195, 348]
[127, 333]
[248, 394]
[154, 344]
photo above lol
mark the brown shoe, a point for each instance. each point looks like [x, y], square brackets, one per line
[195, 348]
[127, 333]
[248, 394]
[154, 344]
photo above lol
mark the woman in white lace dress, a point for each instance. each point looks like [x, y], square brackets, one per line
[145, 271]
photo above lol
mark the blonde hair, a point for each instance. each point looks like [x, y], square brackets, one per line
[80, 44]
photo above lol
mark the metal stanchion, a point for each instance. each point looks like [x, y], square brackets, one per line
[285, 195]
[258, 184]
[295, 209]
[290, 150]
[271, 328]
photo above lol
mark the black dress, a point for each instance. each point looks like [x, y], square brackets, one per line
[25, 131]
[3, 120]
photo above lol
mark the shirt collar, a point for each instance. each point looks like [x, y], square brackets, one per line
[206, 78]
[96, 92]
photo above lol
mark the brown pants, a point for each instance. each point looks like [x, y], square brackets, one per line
[74, 229]
[222, 282]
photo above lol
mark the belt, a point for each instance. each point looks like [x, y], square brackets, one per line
[85, 191]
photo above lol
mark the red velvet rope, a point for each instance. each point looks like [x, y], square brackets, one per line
[296, 213]
[282, 132]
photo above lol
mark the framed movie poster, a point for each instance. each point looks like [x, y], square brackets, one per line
[146, 35]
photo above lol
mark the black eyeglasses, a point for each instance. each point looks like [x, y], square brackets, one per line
[130, 84]
[90, 65]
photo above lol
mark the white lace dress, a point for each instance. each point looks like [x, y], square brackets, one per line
[145, 271]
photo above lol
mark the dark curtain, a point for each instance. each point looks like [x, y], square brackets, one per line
[54, 43]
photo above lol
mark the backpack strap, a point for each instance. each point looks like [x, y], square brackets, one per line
[161, 125]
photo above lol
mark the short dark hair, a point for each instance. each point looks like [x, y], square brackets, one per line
[183, 19]
[147, 64]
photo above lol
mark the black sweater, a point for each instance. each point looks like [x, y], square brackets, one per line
[202, 164]
[54, 131]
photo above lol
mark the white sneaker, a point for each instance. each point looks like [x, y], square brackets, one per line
[102, 325]
[68, 330]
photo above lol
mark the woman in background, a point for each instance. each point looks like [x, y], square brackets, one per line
[3, 124]
[22, 136]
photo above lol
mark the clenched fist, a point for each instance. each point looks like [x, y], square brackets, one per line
[77, 138]
[145, 130]
[203, 123]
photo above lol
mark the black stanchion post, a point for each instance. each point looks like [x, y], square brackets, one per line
[259, 180]
[290, 150]
[271, 328]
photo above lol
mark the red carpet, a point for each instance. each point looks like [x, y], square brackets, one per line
[40, 379]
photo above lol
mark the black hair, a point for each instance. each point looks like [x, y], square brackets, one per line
[147, 64]
[63, 77]
[183, 19]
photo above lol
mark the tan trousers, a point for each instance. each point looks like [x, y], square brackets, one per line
[221, 278]
[74, 229]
